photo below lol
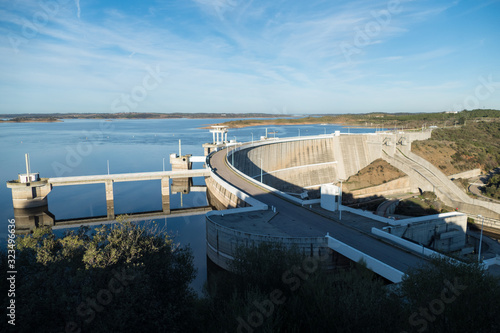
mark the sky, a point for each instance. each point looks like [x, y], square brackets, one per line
[281, 56]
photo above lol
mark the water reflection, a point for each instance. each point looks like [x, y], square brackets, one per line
[83, 204]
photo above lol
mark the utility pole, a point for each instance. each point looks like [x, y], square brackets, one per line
[480, 238]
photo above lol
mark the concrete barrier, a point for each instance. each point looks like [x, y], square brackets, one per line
[373, 264]
[407, 244]
[400, 185]
[466, 174]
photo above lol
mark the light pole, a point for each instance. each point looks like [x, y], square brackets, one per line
[252, 137]
[480, 238]
[232, 154]
[340, 202]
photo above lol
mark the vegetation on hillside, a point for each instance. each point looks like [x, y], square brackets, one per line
[474, 145]
[492, 189]
[131, 279]
[34, 119]
[122, 278]
[384, 120]
[42, 117]
[376, 173]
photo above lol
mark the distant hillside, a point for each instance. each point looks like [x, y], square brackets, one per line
[453, 150]
[385, 120]
[131, 115]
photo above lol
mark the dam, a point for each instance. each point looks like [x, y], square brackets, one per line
[284, 190]
[264, 181]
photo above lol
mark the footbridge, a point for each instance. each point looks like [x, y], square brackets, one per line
[252, 178]
[31, 207]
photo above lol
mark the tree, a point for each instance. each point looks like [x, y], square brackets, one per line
[120, 278]
[275, 289]
[449, 296]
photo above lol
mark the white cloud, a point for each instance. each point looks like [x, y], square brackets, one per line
[77, 2]
[260, 56]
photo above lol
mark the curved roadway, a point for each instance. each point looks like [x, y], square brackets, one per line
[297, 221]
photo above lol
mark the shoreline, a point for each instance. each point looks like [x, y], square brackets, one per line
[273, 123]
[31, 121]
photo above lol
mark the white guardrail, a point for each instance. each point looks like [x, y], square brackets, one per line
[373, 264]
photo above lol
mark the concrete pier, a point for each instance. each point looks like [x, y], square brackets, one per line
[27, 195]
[165, 194]
[110, 201]
[30, 218]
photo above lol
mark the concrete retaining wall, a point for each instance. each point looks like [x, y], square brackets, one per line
[466, 174]
[400, 185]
[222, 243]
[409, 245]
[440, 232]
[476, 208]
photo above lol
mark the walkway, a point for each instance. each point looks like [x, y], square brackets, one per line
[126, 177]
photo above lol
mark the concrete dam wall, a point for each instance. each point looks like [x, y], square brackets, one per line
[292, 165]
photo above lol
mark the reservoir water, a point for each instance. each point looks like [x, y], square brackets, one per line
[86, 147]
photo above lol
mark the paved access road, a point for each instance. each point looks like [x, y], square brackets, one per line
[297, 221]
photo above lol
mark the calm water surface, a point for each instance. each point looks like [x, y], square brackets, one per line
[84, 147]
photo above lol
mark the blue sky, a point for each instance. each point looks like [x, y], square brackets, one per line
[283, 56]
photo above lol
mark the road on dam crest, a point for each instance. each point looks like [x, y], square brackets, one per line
[297, 221]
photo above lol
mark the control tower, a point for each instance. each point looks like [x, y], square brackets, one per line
[219, 133]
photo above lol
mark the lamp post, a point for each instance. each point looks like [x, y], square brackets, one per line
[340, 202]
[232, 155]
[480, 238]
[252, 137]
